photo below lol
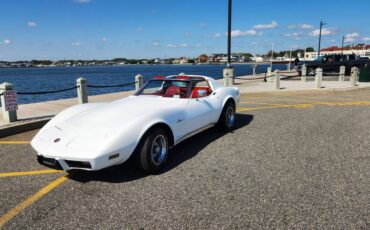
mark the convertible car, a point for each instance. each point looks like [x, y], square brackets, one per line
[164, 112]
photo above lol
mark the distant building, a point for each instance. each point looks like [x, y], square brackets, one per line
[203, 58]
[361, 50]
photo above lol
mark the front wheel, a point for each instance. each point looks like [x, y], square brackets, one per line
[154, 151]
[227, 118]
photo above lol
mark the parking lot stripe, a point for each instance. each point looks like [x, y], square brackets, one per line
[309, 105]
[14, 142]
[17, 209]
[35, 172]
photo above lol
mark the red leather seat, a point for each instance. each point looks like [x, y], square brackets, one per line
[171, 91]
[194, 92]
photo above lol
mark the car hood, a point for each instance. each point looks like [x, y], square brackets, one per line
[125, 110]
[90, 131]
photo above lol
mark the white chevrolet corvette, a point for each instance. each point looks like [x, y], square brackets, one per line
[164, 112]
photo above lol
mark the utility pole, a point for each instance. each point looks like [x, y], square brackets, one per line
[272, 53]
[229, 35]
[342, 44]
[321, 24]
[290, 57]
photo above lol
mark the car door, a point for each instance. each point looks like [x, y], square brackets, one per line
[202, 110]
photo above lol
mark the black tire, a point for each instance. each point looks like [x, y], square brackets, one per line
[154, 151]
[226, 121]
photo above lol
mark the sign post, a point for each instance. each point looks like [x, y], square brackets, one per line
[9, 104]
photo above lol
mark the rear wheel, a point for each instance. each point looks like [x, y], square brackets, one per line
[227, 118]
[154, 151]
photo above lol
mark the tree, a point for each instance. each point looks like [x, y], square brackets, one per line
[310, 49]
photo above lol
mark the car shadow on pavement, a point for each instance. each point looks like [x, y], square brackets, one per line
[184, 151]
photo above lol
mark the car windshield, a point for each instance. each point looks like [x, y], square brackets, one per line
[166, 88]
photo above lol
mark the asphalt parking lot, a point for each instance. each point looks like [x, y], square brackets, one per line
[294, 161]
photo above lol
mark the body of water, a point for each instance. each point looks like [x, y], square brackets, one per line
[54, 78]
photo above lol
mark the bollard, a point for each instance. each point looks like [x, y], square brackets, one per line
[304, 73]
[277, 80]
[228, 76]
[342, 71]
[318, 78]
[138, 82]
[82, 90]
[354, 75]
[254, 69]
[269, 75]
[9, 110]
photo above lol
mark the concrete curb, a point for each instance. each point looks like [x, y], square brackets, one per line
[22, 127]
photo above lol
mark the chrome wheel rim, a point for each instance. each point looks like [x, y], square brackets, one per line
[230, 116]
[159, 149]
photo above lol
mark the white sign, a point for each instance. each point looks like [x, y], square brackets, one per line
[10, 99]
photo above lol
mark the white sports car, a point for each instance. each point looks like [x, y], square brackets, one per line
[164, 112]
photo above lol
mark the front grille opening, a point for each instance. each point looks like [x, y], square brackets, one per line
[79, 164]
[49, 162]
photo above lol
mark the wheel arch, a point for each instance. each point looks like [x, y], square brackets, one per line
[156, 125]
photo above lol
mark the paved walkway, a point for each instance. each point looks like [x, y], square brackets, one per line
[246, 84]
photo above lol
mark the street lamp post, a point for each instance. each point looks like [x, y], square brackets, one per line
[229, 34]
[342, 44]
[228, 72]
[321, 24]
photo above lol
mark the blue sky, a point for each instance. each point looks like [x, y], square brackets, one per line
[105, 29]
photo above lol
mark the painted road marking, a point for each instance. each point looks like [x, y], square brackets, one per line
[17, 209]
[257, 103]
[35, 172]
[14, 142]
[276, 98]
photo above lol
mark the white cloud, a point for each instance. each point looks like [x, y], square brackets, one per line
[184, 45]
[273, 25]
[351, 37]
[305, 26]
[31, 24]
[301, 26]
[239, 33]
[197, 46]
[7, 42]
[82, 1]
[366, 39]
[324, 31]
[139, 29]
[156, 44]
[76, 44]
[217, 35]
[187, 34]
[254, 43]
[203, 24]
[104, 39]
[171, 46]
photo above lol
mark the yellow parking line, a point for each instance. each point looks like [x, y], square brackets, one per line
[17, 209]
[14, 142]
[309, 105]
[257, 103]
[35, 172]
[279, 98]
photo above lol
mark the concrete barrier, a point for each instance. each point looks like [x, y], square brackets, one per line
[354, 76]
[277, 80]
[138, 81]
[228, 76]
[318, 78]
[82, 94]
[304, 73]
[342, 71]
